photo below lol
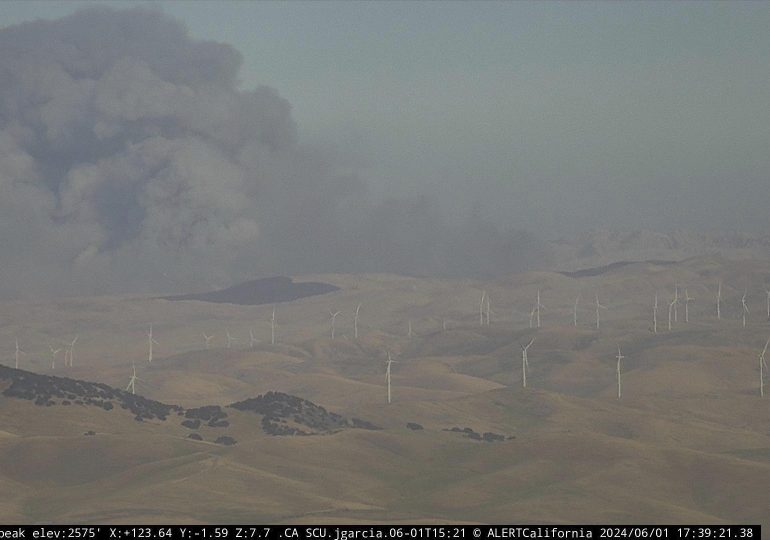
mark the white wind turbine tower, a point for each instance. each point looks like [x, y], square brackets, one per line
[655, 315]
[387, 373]
[487, 310]
[355, 322]
[537, 307]
[272, 328]
[762, 368]
[409, 331]
[745, 309]
[676, 301]
[619, 357]
[230, 339]
[670, 309]
[574, 311]
[481, 307]
[68, 352]
[598, 306]
[207, 339]
[687, 300]
[132, 381]
[54, 352]
[252, 340]
[334, 317]
[719, 300]
[524, 361]
[150, 341]
[531, 317]
[19, 351]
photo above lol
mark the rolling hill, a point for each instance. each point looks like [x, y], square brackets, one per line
[462, 440]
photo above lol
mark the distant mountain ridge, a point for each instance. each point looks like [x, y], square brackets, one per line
[260, 291]
[601, 248]
[599, 270]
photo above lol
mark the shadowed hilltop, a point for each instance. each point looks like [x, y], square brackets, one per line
[279, 411]
[260, 291]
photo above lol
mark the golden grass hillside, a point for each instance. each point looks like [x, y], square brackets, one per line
[688, 442]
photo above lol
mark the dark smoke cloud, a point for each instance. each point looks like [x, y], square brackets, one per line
[130, 160]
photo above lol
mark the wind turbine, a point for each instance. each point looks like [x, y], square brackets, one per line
[670, 309]
[531, 317]
[19, 351]
[387, 373]
[355, 322]
[68, 351]
[54, 352]
[481, 307]
[619, 357]
[443, 325]
[487, 310]
[409, 332]
[132, 381]
[745, 309]
[230, 339]
[687, 300]
[574, 311]
[655, 315]
[334, 317]
[537, 307]
[252, 340]
[272, 328]
[525, 362]
[207, 339]
[598, 306]
[762, 368]
[676, 301]
[719, 300]
[150, 341]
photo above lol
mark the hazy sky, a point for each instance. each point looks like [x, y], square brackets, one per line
[215, 141]
[547, 114]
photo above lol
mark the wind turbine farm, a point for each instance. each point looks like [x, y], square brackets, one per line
[448, 375]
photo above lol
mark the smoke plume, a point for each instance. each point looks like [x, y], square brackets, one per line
[130, 160]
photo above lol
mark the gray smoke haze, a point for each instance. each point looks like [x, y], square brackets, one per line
[130, 160]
